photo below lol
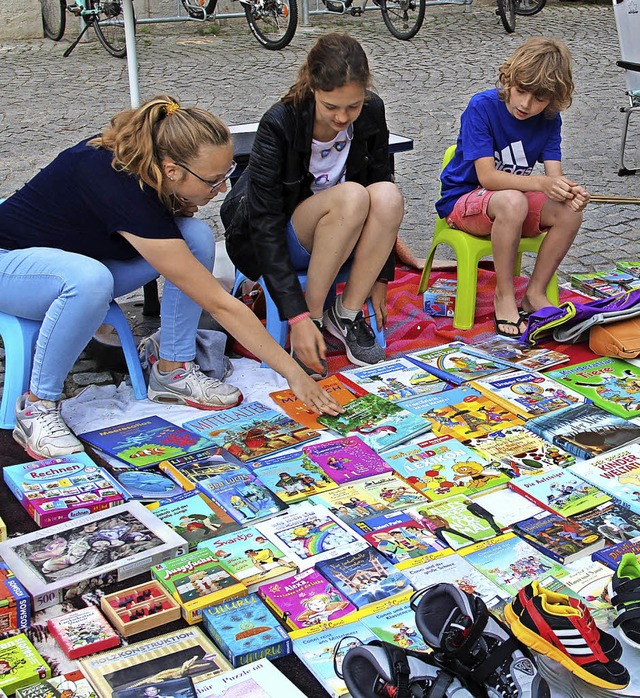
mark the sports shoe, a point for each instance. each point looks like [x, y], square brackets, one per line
[473, 644]
[187, 385]
[41, 431]
[383, 669]
[357, 337]
[563, 629]
[624, 592]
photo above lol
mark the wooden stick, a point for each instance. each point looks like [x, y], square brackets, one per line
[604, 199]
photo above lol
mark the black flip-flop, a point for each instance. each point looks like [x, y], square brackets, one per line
[509, 323]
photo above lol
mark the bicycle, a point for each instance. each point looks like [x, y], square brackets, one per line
[507, 10]
[403, 18]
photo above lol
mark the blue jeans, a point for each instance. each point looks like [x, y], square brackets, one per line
[70, 293]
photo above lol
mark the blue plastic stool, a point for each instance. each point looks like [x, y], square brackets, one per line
[19, 338]
[278, 328]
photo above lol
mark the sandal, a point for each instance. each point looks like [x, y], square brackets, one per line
[510, 323]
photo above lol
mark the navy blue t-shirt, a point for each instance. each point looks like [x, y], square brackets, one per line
[487, 129]
[79, 203]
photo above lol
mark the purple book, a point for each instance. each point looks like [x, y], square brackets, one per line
[347, 459]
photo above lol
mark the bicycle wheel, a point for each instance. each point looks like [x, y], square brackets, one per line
[527, 8]
[507, 11]
[198, 8]
[109, 26]
[273, 22]
[403, 18]
[54, 18]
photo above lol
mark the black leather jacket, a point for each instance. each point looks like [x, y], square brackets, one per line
[256, 211]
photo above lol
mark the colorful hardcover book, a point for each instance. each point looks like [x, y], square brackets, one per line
[197, 580]
[629, 268]
[398, 536]
[245, 630]
[589, 580]
[347, 459]
[292, 476]
[243, 495]
[612, 384]
[171, 688]
[380, 423]
[397, 625]
[188, 470]
[305, 600]
[55, 490]
[195, 518]
[612, 521]
[298, 411]
[585, 430]
[21, 663]
[147, 486]
[82, 632]
[251, 430]
[515, 352]
[145, 442]
[249, 556]
[508, 506]
[510, 562]
[560, 491]
[450, 363]
[616, 473]
[73, 684]
[463, 413]
[521, 451]
[561, 539]
[612, 554]
[526, 393]
[457, 521]
[441, 466]
[156, 660]
[395, 380]
[309, 533]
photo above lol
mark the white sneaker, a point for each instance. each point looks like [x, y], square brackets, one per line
[189, 386]
[41, 431]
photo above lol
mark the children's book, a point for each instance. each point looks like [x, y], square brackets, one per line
[508, 506]
[245, 630]
[629, 268]
[441, 466]
[298, 411]
[397, 624]
[603, 284]
[395, 380]
[612, 554]
[195, 518]
[260, 679]
[309, 533]
[515, 352]
[613, 384]
[21, 664]
[612, 521]
[144, 442]
[73, 684]
[347, 459]
[292, 476]
[398, 536]
[589, 580]
[561, 539]
[380, 423]
[463, 413]
[585, 430]
[560, 491]
[457, 521]
[510, 562]
[251, 430]
[82, 632]
[521, 452]
[249, 556]
[147, 486]
[526, 393]
[242, 495]
[450, 363]
[305, 600]
[55, 490]
[188, 470]
[617, 473]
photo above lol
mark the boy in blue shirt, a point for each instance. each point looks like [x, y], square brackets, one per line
[488, 187]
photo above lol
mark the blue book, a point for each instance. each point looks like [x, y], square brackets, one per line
[612, 554]
[147, 486]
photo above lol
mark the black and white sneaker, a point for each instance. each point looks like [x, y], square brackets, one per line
[470, 642]
[356, 335]
[625, 596]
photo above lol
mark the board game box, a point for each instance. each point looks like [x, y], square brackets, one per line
[15, 604]
[69, 685]
[20, 663]
[82, 632]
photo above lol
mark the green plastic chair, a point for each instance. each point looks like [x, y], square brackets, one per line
[469, 250]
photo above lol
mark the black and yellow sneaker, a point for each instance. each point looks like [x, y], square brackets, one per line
[625, 596]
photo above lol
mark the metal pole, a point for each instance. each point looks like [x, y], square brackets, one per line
[305, 13]
[132, 57]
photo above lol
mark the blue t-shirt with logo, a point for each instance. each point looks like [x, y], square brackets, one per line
[487, 129]
[79, 203]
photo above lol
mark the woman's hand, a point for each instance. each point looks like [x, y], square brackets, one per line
[308, 344]
[379, 301]
[312, 394]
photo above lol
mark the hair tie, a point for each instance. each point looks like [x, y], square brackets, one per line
[171, 108]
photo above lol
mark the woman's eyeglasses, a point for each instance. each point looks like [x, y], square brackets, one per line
[208, 182]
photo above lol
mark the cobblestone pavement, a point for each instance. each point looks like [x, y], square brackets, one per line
[50, 102]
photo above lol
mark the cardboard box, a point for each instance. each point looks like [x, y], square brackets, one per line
[15, 604]
[440, 298]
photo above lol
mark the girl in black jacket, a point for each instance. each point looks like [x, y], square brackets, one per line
[319, 193]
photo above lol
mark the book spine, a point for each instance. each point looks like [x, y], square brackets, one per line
[351, 386]
[176, 476]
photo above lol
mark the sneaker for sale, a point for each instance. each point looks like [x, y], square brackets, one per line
[563, 629]
[624, 592]
[187, 385]
[471, 643]
[41, 431]
[357, 337]
[383, 669]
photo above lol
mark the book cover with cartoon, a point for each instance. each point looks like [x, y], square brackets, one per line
[347, 459]
[189, 469]
[397, 625]
[515, 352]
